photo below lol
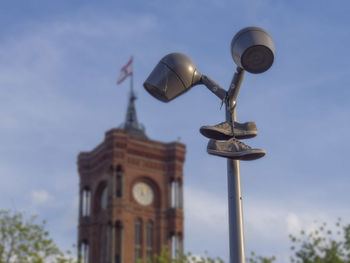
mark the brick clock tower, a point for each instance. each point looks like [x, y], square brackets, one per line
[131, 198]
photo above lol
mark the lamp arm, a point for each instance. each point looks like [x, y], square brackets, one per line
[235, 86]
[214, 87]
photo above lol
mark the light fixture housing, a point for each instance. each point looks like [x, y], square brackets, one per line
[175, 74]
[252, 49]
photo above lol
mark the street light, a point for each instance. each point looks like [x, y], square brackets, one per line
[252, 49]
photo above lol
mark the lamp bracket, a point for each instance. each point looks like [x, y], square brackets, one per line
[214, 87]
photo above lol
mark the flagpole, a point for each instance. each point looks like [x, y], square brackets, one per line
[132, 78]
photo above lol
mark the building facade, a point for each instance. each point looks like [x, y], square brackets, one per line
[131, 197]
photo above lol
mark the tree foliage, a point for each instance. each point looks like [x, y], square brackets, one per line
[322, 245]
[165, 257]
[22, 240]
[259, 259]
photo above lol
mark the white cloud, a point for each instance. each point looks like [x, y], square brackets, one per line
[267, 223]
[293, 223]
[205, 209]
[40, 197]
[70, 218]
[205, 222]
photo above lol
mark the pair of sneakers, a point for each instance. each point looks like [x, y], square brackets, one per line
[231, 147]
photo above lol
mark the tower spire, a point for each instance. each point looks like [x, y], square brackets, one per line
[131, 124]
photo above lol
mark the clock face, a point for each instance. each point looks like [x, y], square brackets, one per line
[143, 193]
[104, 199]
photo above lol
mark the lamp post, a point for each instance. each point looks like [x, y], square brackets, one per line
[252, 49]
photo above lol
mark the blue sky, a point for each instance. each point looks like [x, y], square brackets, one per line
[59, 61]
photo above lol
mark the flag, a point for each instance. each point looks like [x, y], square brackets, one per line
[125, 72]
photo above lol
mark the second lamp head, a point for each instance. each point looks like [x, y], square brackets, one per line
[252, 49]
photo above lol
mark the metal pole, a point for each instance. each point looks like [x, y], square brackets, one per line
[235, 214]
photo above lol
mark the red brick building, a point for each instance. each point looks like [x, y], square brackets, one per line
[131, 198]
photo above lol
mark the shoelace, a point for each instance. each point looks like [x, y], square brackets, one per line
[242, 144]
[224, 124]
[221, 124]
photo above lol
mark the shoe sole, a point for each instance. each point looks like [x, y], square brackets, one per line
[218, 135]
[249, 155]
[247, 135]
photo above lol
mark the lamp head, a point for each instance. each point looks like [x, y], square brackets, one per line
[174, 74]
[252, 49]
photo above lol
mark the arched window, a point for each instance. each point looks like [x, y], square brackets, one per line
[84, 252]
[176, 246]
[176, 195]
[101, 197]
[85, 200]
[138, 240]
[119, 181]
[118, 242]
[105, 242]
[104, 198]
[149, 240]
[173, 194]
[181, 196]
[173, 246]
